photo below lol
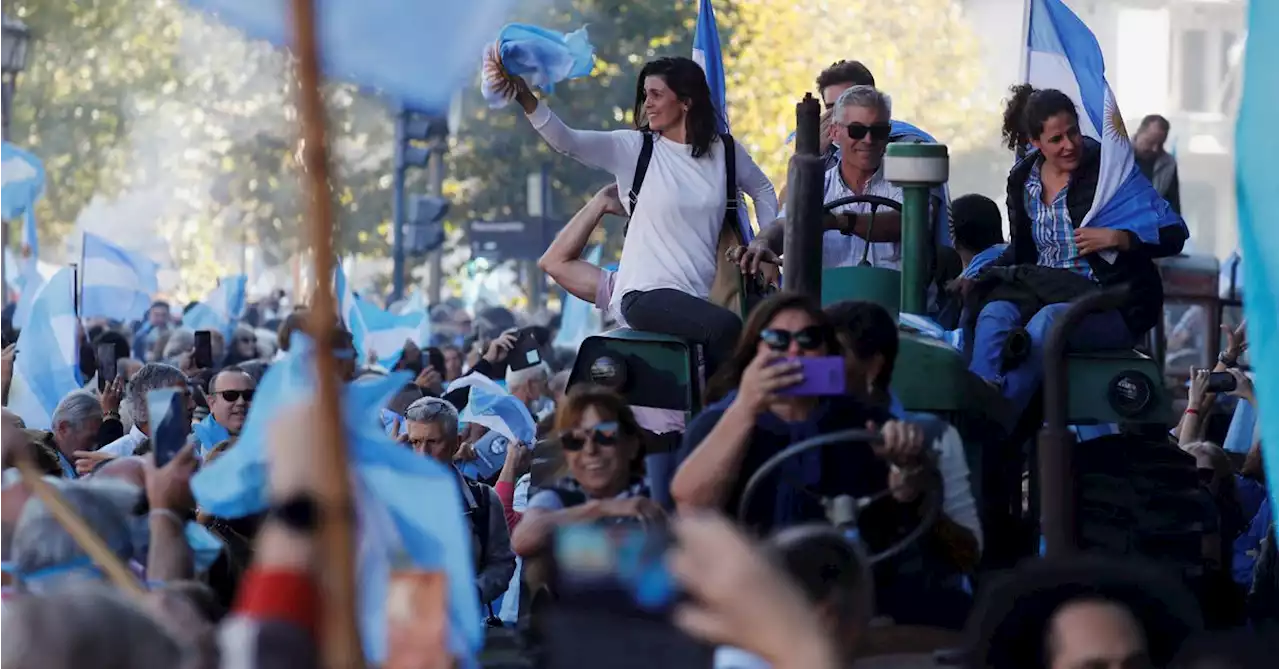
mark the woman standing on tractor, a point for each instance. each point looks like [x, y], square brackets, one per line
[672, 251]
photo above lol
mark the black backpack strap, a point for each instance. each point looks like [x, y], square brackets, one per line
[642, 166]
[730, 181]
[480, 515]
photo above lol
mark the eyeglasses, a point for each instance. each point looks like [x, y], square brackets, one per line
[235, 395]
[879, 131]
[809, 338]
[603, 434]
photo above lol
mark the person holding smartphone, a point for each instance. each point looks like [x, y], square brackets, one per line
[753, 417]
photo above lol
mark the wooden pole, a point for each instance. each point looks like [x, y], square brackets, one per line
[340, 636]
[80, 532]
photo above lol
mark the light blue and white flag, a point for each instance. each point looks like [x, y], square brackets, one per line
[542, 57]
[579, 319]
[706, 53]
[44, 367]
[222, 309]
[117, 283]
[1063, 54]
[30, 284]
[23, 176]
[392, 486]
[382, 44]
[372, 328]
[1259, 215]
[417, 304]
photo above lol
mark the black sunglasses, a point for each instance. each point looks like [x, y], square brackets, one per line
[809, 338]
[879, 131]
[603, 434]
[235, 395]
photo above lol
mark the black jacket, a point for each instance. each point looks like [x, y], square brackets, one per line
[1143, 309]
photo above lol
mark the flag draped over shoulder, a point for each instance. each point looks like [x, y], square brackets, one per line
[1259, 219]
[44, 367]
[1063, 54]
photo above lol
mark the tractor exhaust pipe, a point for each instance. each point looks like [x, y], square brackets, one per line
[802, 248]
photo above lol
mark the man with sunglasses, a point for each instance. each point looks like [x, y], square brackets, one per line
[856, 235]
[230, 394]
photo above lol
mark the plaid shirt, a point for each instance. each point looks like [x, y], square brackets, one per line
[1051, 227]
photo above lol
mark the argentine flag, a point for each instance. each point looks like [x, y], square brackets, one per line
[706, 53]
[117, 284]
[22, 176]
[44, 368]
[1259, 216]
[417, 304]
[382, 44]
[372, 328]
[221, 309]
[579, 319]
[1063, 54]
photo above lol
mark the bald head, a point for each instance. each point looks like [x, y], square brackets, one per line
[1094, 634]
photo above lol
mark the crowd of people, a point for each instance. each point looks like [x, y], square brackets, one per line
[903, 579]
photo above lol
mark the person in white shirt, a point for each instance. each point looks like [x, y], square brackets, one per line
[669, 258]
[860, 129]
[152, 376]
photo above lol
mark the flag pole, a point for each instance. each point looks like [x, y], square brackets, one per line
[340, 635]
[1024, 67]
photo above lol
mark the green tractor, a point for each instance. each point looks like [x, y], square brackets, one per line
[660, 371]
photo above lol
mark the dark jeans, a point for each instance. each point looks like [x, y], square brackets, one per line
[669, 311]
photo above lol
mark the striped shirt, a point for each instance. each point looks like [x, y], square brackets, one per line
[1051, 227]
[840, 250]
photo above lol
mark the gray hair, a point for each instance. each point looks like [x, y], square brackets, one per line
[152, 376]
[76, 408]
[107, 505]
[87, 627]
[434, 410]
[180, 341]
[516, 378]
[867, 97]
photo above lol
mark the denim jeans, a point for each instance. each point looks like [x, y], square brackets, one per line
[669, 311]
[1101, 331]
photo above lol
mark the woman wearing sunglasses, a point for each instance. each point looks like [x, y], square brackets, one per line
[601, 443]
[755, 418]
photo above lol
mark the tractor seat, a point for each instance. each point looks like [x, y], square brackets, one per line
[1116, 386]
[649, 369]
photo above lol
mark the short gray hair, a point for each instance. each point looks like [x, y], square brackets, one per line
[434, 410]
[519, 377]
[107, 505]
[152, 376]
[867, 97]
[76, 408]
[85, 627]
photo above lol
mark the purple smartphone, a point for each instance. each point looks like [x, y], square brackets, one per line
[822, 376]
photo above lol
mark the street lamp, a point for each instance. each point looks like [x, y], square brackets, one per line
[14, 41]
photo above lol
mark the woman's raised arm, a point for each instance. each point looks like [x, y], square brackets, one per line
[613, 150]
[753, 182]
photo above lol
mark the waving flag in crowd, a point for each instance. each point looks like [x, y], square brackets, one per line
[417, 304]
[382, 44]
[706, 53]
[1063, 54]
[1258, 212]
[392, 487]
[117, 283]
[44, 367]
[542, 57]
[23, 178]
[373, 329]
[221, 309]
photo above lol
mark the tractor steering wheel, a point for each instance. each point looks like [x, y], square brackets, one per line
[876, 202]
[844, 503]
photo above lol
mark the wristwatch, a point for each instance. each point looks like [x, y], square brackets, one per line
[1229, 361]
[847, 223]
[300, 513]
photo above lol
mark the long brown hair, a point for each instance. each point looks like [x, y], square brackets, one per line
[730, 372]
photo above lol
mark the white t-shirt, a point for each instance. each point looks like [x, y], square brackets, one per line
[672, 238]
